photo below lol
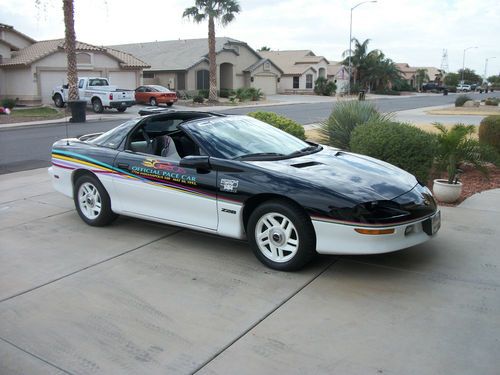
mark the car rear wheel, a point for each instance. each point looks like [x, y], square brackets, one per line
[58, 101]
[153, 102]
[170, 104]
[92, 202]
[281, 236]
[97, 106]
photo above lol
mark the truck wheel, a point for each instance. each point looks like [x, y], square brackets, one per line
[121, 109]
[58, 101]
[97, 106]
[153, 102]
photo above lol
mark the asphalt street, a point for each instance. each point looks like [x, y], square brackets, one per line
[28, 147]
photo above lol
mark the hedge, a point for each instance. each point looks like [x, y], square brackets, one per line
[280, 122]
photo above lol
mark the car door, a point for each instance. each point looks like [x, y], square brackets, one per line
[139, 94]
[159, 188]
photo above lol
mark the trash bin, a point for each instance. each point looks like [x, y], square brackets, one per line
[361, 95]
[78, 108]
[445, 92]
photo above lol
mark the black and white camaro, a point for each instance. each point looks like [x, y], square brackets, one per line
[238, 177]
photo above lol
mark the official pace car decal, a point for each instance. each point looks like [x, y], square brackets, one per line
[174, 179]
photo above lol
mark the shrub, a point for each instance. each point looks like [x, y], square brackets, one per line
[403, 145]
[226, 93]
[492, 101]
[387, 92]
[403, 86]
[452, 88]
[489, 131]
[346, 115]
[198, 99]
[249, 93]
[8, 103]
[324, 87]
[461, 99]
[203, 93]
[280, 122]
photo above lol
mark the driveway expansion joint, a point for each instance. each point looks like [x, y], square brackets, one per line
[35, 356]
[267, 315]
[91, 266]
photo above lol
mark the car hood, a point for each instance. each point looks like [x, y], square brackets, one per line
[357, 177]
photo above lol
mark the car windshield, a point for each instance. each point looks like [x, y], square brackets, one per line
[245, 138]
[112, 138]
[159, 88]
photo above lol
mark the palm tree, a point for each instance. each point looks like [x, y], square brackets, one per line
[70, 46]
[421, 76]
[264, 48]
[222, 10]
[360, 59]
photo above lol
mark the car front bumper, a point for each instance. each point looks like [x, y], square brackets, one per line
[336, 238]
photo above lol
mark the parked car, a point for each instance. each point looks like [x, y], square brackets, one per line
[239, 177]
[97, 92]
[463, 88]
[154, 95]
[429, 86]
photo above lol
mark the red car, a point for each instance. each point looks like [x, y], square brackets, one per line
[154, 95]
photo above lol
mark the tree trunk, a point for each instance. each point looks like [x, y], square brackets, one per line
[70, 46]
[212, 96]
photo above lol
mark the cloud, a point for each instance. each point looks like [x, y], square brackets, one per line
[413, 31]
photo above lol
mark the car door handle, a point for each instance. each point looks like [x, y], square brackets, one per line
[123, 165]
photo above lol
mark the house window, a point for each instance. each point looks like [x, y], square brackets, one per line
[309, 81]
[296, 82]
[148, 75]
[83, 59]
[202, 80]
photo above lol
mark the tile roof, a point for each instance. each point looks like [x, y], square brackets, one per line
[179, 54]
[3, 26]
[39, 50]
[293, 62]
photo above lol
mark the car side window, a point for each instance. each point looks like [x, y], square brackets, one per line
[140, 89]
[80, 84]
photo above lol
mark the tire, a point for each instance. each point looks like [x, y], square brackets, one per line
[92, 202]
[97, 106]
[170, 104]
[58, 101]
[281, 236]
[153, 102]
[121, 109]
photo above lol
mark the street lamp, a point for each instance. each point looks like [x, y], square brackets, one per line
[350, 39]
[463, 63]
[486, 66]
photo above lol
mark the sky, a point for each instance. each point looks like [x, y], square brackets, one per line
[411, 31]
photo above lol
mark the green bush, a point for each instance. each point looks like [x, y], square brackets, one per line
[346, 115]
[198, 99]
[461, 99]
[280, 122]
[452, 88]
[226, 93]
[492, 101]
[403, 86]
[402, 145]
[203, 93]
[8, 103]
[324, 87]
[249, 93]
[387, 92]
[489, 131]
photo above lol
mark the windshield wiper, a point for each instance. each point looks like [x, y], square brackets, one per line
[258, 155]
[305, 150]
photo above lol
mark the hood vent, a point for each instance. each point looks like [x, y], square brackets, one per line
[307, 164]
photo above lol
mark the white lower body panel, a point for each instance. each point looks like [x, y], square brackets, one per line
[334, 238]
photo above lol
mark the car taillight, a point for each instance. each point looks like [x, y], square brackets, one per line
[110, 96]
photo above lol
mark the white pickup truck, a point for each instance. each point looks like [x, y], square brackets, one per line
[98, 93]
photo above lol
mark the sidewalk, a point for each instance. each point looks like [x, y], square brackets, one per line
[142, 298]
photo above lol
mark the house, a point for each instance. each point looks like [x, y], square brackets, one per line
[410, 73]
[29, 70]
[339, 74]
[183, 65]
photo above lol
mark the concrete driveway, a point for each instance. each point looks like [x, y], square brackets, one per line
[142, 298]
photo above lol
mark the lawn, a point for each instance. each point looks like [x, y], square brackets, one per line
[31, 114]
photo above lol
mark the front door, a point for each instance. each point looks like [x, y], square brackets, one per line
[156, 187]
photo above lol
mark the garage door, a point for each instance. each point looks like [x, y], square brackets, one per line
[53, 78]
[266, 83]
[123, 80]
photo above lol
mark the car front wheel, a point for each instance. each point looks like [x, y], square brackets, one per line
[281, 236]
[92, 202]
[153, 102]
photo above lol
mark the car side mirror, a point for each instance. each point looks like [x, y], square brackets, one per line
[195, 162]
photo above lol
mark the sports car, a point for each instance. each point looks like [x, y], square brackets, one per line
[238, 177]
